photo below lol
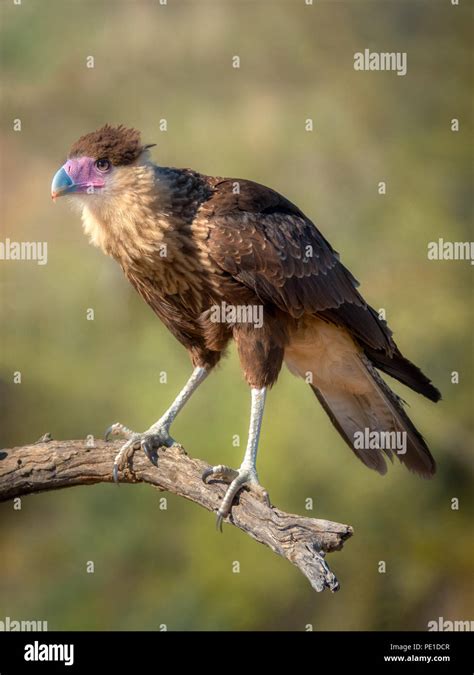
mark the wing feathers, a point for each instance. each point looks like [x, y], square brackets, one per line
[268, 244]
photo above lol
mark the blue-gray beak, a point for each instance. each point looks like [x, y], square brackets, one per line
[62, 184]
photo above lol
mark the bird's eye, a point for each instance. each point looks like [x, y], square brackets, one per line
[103, 165]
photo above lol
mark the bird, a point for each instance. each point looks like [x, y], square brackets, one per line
[224, 259]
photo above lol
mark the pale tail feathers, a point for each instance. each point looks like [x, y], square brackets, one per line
[359, 403]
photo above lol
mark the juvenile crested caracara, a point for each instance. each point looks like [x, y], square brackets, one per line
[192, 245]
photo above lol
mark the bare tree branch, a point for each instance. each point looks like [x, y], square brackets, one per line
[49, 465]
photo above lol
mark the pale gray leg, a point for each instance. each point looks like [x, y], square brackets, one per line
[247, 473]
[158, 434]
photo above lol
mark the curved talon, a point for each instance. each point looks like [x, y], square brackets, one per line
[238, 479]
[206, 473]
[150, 450]
[108, 432]
[116, 428]
[149, 442]
[219, 520]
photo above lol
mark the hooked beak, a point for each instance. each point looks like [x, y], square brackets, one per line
[62, 184]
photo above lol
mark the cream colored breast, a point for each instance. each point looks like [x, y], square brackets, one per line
[130, 224]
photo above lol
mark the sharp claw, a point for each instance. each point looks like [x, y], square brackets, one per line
[109, 432]
[239, 479]
[149, 451]
[118, 429]
[146, 447]
[205, 474]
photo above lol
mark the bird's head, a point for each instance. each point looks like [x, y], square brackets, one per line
[95, 160]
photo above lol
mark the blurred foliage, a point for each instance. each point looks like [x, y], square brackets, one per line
[152, 61]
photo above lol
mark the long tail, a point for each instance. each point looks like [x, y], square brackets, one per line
[369, 416]
[404, 371]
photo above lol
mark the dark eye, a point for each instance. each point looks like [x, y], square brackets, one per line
[103, 164]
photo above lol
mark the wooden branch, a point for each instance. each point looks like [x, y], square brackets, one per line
[49, 465]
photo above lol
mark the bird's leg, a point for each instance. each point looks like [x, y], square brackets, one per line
[247, 474]
[158, 434]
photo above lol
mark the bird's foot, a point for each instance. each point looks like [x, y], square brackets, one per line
[238, 479]
[149, 441]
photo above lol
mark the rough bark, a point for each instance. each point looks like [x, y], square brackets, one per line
[49, 465]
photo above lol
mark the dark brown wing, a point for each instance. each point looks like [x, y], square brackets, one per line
[266, 243]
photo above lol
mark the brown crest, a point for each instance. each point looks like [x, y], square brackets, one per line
[119, 145]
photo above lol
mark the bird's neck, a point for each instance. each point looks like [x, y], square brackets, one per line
[121, 219]
[141, 205]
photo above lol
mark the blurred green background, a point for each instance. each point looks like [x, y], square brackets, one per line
[174, 62]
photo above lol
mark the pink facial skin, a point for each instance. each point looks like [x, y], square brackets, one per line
[85, 174]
